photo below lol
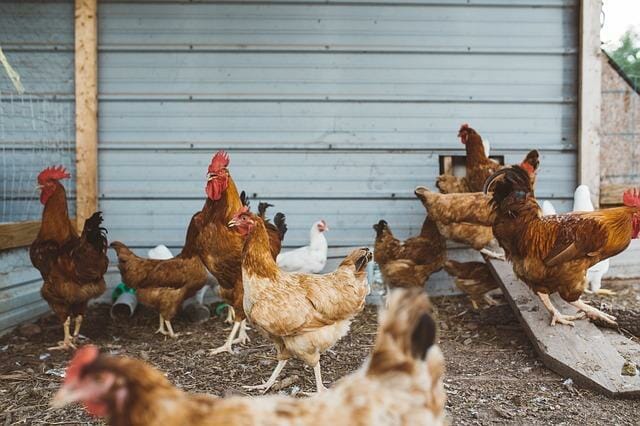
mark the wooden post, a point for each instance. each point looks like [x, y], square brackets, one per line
[86, 77]
[590, 97]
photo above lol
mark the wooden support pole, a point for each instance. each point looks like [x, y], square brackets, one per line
[86, 80]
[590, 98]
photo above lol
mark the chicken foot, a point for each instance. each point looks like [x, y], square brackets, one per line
[166, 329]
[594, 313]
[557, 317]
[227, 347]
[274, 376]
[492, 254]
[67, 343]
[76, 329]
[601, 292]
[243, 337]
[231, 315]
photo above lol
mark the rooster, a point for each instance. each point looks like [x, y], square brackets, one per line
[302, 314]
[71, 266]
[310, 259]
[552, 254]
[582, 203]
[409, 263]
[400, 384]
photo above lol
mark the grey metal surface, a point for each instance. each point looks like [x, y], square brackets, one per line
[331, 110]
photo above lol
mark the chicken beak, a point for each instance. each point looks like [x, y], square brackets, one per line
[39, 187]
[66, 395]
[232, 223]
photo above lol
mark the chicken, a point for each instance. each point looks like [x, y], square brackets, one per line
[409, 263]
[582, 203]
[276, 230]
[474, 279]
[302, 314]
[400, 384]
[478, 165]
[309, 259]
[71, 266]
[552, 253]
[444, 209]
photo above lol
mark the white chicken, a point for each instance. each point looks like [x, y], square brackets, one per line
[582, 203]
[309, 259]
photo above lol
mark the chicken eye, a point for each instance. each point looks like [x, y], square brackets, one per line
[520, 195]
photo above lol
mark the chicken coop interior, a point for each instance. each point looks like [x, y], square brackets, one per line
[416, 212]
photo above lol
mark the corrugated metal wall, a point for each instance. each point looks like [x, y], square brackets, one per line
[333, 110]
[37, 39]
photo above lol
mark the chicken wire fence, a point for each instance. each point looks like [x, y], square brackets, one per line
[35, 132]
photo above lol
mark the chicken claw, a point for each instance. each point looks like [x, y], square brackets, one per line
[594, 313]
[565, 319]
[274, 376]
[243, 337]
[493, 254]
[67, 343]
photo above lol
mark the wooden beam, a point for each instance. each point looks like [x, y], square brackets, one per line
[611, 194]
[18, 234]
[590, 69]
[593, 357]
[86, 78]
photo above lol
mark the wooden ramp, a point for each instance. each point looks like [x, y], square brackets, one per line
[593, 357]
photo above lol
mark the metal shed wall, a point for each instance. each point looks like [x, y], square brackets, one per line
[333, 110]
[37, 39]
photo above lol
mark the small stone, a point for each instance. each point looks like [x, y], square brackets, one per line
[29, 330]
[629, 369]
[467, 342]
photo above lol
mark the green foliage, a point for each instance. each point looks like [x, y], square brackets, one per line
[627, 55]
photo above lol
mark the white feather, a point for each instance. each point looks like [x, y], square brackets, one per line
[582, 203]
[160, 252]
[308, 259]
[487, 146]
[548, 209]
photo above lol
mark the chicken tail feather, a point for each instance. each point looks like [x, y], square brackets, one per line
[407, 332]
[95, 234]
[280, 221]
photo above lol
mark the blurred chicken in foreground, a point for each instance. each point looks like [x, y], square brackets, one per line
[582, 203]
[310, 259]
[409, 263]
[400, 384]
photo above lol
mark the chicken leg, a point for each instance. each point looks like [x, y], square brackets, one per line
[593, 313]
[76, 329]
[243, 337]
[557, 316]
[231, 315]
[67, 343]
[492, 254]
[227, 347]
[274, 376]
[319, 385]
[161, 329]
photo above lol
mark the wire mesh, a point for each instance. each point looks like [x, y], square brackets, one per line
[35, 132]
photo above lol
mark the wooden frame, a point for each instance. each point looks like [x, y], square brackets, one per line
[589, 97]
[21, 234]
[86, 77]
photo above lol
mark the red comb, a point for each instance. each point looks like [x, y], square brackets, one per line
[631, 197]
[463, 130]
[528, 167]
[53, 173]
[83, 356]
[219, 161]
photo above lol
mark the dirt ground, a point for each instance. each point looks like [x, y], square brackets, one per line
[493, 375]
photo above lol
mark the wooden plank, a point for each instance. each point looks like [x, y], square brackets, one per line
[590, 96]
[19, 234]
[611, 194]
[591, 356]
[86, 77]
